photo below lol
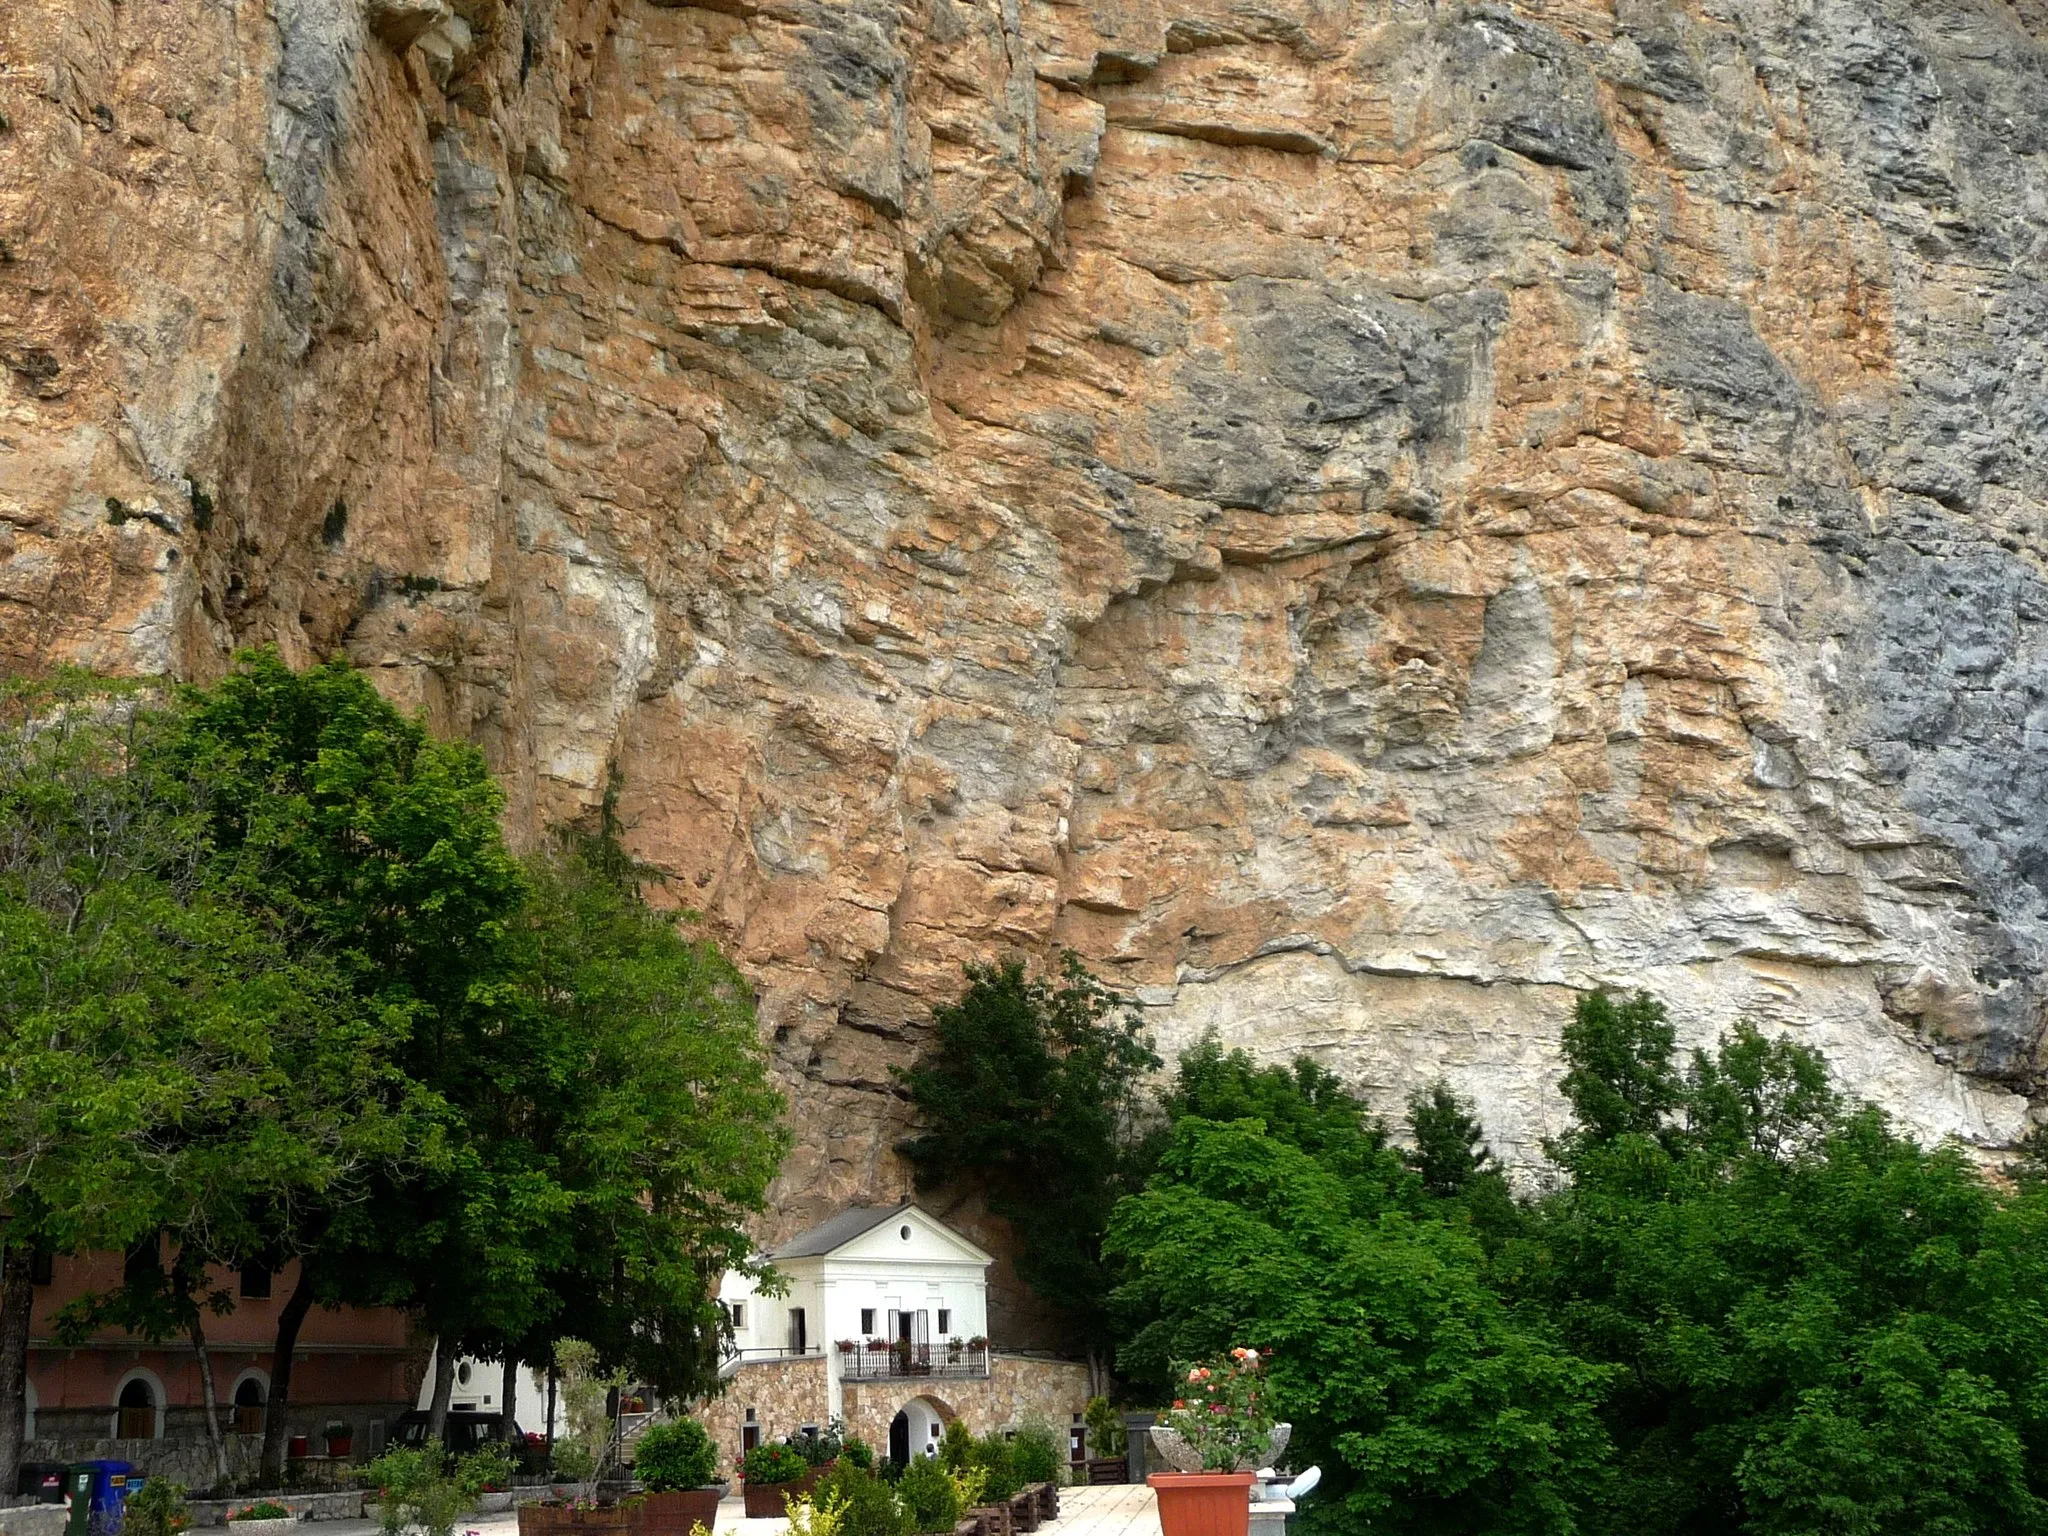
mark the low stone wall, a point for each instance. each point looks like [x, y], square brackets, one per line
[1018, 1387]
[33, 1520]
[303, 1506]
[185, 1460]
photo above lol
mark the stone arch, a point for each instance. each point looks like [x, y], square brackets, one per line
[139, 1389]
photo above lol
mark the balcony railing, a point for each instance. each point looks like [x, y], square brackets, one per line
[884, 1362]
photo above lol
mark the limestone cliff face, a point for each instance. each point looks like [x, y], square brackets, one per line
[1359, 516]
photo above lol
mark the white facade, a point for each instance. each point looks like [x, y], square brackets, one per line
[878, 1279]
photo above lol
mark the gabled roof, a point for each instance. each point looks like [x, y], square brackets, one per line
[835, 1232]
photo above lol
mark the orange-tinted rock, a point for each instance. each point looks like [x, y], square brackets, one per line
[1359, 520]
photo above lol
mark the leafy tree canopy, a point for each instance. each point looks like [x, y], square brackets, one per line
[1030, 1088]
[1745, 1307]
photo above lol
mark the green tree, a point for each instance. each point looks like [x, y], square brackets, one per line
[140, 1006]
[1432, 1404]
[373, 844]
[1817, 1324]
[1030, 1088]
[1450, 1145]
[1620, 1080]
[644, 1085]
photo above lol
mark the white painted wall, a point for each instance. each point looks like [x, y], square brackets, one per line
[912, 1265]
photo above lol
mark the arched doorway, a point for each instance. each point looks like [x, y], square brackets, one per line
[899, 1438]
[251, 1392]
[139, 1407]
[917, 1428]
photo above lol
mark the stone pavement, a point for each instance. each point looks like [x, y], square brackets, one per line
[1121, 1511]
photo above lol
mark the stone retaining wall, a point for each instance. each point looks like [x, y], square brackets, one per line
[784, 1396]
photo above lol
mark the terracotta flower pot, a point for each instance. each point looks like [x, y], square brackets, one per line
[673, 1514]
[567, 1520]
[764, 1500]
[1203, 1503]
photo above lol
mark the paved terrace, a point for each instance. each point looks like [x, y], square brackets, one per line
[1127, 1510]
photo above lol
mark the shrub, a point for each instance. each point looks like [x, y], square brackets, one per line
[675, 1454]
[809, 1517]
[1106, 1433]
[992, 1456]
[820, 1446]
[157, 1508]
[490, 1467]
[414, 1488]
[264, 1509]
[867, 1506]
[931, 1499]
[1035, 1452]
[956, 1447]
[772, 1463]
[572, 1462]
[858, 1451]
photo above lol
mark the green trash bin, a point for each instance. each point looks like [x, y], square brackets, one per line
[78, 1500]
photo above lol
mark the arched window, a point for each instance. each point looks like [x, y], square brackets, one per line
[250, 1394]
[138, 1408]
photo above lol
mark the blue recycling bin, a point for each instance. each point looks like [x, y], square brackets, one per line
[112, 1482]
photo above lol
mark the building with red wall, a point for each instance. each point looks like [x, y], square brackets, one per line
[353, 1372]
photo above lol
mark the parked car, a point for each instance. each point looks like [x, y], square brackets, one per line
[468, 1430]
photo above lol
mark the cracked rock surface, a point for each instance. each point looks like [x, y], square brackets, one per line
[1359, 518]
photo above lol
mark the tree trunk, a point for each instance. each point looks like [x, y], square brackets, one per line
[508, 1394]
[17, 1300]
[223, 1474]
[289, 1320]
[553, 1378]
[444, 1387]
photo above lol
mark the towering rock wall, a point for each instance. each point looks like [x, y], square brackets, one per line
[1358, 516]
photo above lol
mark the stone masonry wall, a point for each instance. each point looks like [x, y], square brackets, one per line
[1017, 1388]
[784, 1396]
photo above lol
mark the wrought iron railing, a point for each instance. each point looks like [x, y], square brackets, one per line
[883, 1362]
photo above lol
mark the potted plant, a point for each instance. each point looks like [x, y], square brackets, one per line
[678, 1466]
[771, 1471]
[265, 1517]
[1108, 1445]
[1217, 1435]
[954, 1347]
[846, 1346]
[979, 1341]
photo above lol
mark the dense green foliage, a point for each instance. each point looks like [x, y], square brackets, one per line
[675, 1454]
[1106, 1433]
[273, 988]
[1036, 1455]
[1743, 1308]
[157, 1508]
[867, 1506]
[1029, 1089]
[773, 1462]
[931, 1499]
